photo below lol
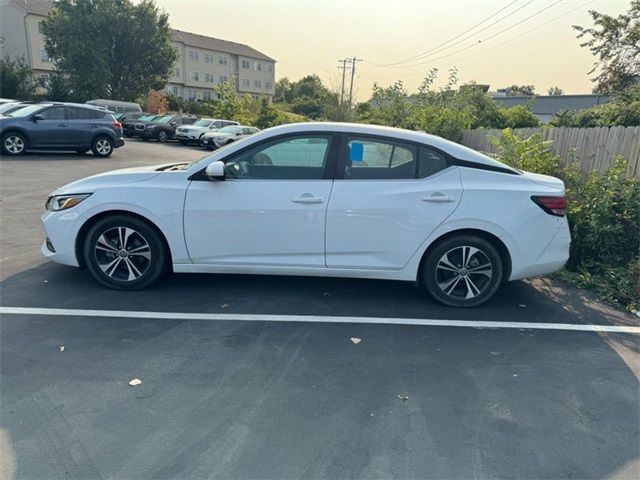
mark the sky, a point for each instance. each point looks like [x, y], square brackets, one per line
[508, 41]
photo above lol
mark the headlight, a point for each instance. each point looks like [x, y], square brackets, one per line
[64, 202]
[150, 126]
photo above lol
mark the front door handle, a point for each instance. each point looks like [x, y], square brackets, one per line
[438, 198]
[307, 198]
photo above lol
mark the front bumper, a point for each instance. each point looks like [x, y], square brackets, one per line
[61, 229]
[187, 136]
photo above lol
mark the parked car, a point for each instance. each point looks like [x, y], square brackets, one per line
[60, 126]
[163, 128]
[193, 133]
[128, 120]
[320, 199]
[136, 128]
[115, 105]
[226, 135]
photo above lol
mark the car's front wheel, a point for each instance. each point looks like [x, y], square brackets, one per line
[163, 136]
[125, 253]
[102, 146]
[463, 271]
[14, 144]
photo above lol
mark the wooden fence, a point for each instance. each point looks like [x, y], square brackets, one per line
[594, 147]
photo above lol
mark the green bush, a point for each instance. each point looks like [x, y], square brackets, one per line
[604, 218]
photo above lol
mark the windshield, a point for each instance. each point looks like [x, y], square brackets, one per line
[229, 129]
[165, 119]
[26, 111]
[144, 118]
[8, 106]
[203, 122]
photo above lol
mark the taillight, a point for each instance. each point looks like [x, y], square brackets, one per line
[552, 205]
[117, 124]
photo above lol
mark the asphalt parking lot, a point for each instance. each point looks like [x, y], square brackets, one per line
[235, 385]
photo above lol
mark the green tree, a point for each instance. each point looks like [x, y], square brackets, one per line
[615, 41]
[17, 80]
[267, 115]
[110, 48]
[520, 116]
[307, 96]
[555, 91]
[517, 90]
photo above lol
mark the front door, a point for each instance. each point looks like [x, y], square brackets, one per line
[51, 131]
[387, 198]
[270, 210]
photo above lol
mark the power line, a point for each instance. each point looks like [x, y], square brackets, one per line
[437, 47]
[505, 42]
[488, 38]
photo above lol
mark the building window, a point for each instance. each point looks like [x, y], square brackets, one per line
[195, 76]
[246, 64]
[257, 66]
[174, 90]
[176, 72]
[193, 55]
[246, 82]
[44, 56]
[269, 67]
[209, 78]
[191, 94]
[256, 96]
[222, 60]
[40, 28]
[268, 85]
[257, 83]
[208, 58]
[206, 95]
[223, 78]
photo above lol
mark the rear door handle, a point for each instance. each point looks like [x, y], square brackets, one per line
[307, 198]
[438, 198]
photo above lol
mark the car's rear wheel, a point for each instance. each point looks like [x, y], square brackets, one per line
[102, 146]
[14, 144]
[163, 136]
[463, 271]
[125, 253]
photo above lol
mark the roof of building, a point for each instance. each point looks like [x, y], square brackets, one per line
[552, 104]
[42, 7]
[37, 7]
[217, 44]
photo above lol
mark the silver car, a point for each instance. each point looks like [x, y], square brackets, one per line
[194, 132]
[226, 135]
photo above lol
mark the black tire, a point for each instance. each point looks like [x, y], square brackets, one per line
[451, 281]
[145, 262]
[162, 136]
[102, 146]
[14, 144]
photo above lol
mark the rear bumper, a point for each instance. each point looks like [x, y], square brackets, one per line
[119, 142]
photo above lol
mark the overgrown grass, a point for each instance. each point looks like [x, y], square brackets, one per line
[604, 218]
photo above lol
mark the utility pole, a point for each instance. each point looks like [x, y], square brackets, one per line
[344, 71]
[353, 73]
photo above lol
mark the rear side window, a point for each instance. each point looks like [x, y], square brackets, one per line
[76, 113]
[431, 161]
[370, 159]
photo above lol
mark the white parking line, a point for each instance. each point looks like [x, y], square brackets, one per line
[315, 319]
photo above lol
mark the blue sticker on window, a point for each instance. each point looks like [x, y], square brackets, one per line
[357, 152]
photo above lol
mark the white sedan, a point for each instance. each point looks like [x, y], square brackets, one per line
[324, 199]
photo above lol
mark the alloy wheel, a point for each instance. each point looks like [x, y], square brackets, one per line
[103, 146]
[464, 272]
[162, 136]
[14, 144]
[123, 254]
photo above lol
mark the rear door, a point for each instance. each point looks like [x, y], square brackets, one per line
[387, 198]
[83, 123]
[52, 130]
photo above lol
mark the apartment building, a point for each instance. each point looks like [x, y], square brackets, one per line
[203, 61]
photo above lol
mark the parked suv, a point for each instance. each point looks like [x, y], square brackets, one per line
[226, 135]
[128, 120]
[194, 133]
[163, 128]
[60, 126]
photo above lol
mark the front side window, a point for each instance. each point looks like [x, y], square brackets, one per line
[370, 159]
[298, 158]
[55, 113]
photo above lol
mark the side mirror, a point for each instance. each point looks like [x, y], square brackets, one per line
[173, 124]
[238, 134]
[37, 117]
[215, 171]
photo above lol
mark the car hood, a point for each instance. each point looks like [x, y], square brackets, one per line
[220, 134]
[108, 179]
